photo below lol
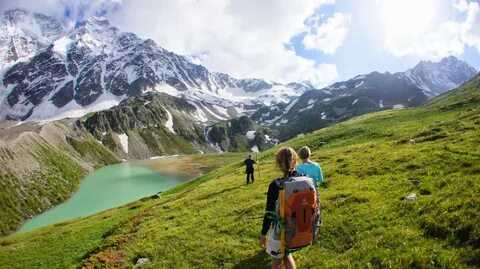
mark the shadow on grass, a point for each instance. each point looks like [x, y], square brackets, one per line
[259, 261]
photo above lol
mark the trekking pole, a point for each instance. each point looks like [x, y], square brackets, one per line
[258, 165]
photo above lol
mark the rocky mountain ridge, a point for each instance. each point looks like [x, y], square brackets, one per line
[94, 66]
[363, 94]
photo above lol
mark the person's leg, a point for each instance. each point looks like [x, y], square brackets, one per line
[276, 263]
[289, 262]
[248, 177]
[253, 176]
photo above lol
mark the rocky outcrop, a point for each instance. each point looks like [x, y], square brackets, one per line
[239, 134]
[150, 125]
[375, 91]
[96, 62]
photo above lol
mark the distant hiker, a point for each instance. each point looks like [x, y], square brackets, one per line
[249, 168]
[291, 206]
[308, 167]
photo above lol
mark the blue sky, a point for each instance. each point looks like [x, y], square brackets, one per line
[285, 40]
[362, 50]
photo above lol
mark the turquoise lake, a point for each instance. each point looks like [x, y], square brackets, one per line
[107, 187]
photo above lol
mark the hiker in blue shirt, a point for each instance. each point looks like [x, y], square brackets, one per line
[309, 168]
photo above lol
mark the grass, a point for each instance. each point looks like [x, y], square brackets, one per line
[92, 151]
[192, 166]
[53, 183]
[371, 163]
[160, 142]
[57, 176]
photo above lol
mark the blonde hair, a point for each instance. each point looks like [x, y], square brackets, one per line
[304, 153]
[286, 159]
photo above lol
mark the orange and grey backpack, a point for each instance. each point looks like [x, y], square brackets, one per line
[297, 218]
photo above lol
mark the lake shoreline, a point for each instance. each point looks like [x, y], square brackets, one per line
[180, 169]
[106, 188]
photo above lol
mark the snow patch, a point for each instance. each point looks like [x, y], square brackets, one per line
[165, 88]
[221, 110]
[380, 104]
[47, 111]
[199, 114]
[250, 135]
[124, 142]
[398, 106]
[62, 45]
[355, 101]
[131, 73]
[306, 108]
[215, 115]
[255, 149]
[169, 123]
[359, 84]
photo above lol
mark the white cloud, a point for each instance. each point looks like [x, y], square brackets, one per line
[327, 36]
[419, 31]
[77, 9]
[471, 26]
[245, 38]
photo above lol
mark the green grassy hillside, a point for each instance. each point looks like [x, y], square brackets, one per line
[42, 168]
[371, 162]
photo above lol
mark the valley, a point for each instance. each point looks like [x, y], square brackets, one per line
[117, 152]
[371, 166]
[119, 184]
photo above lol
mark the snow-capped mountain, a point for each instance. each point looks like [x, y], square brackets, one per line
[365, 93]
[435, 78]
[23, 34]
[94, 66]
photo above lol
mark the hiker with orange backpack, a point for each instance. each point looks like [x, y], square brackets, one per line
[292, 212]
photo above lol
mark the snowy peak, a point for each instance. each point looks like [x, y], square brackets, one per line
[96, 34]
[95, 66]
[435, 78]
[23, 34]
[363, 94]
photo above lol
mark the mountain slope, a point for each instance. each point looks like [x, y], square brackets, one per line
[366, 93]
[239, 134]
[41, 166]
[151, 125]
[23, 34]
[372, 163]
[437, 78]
[94, 66]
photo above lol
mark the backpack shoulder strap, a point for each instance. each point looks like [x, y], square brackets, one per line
[279, 181]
